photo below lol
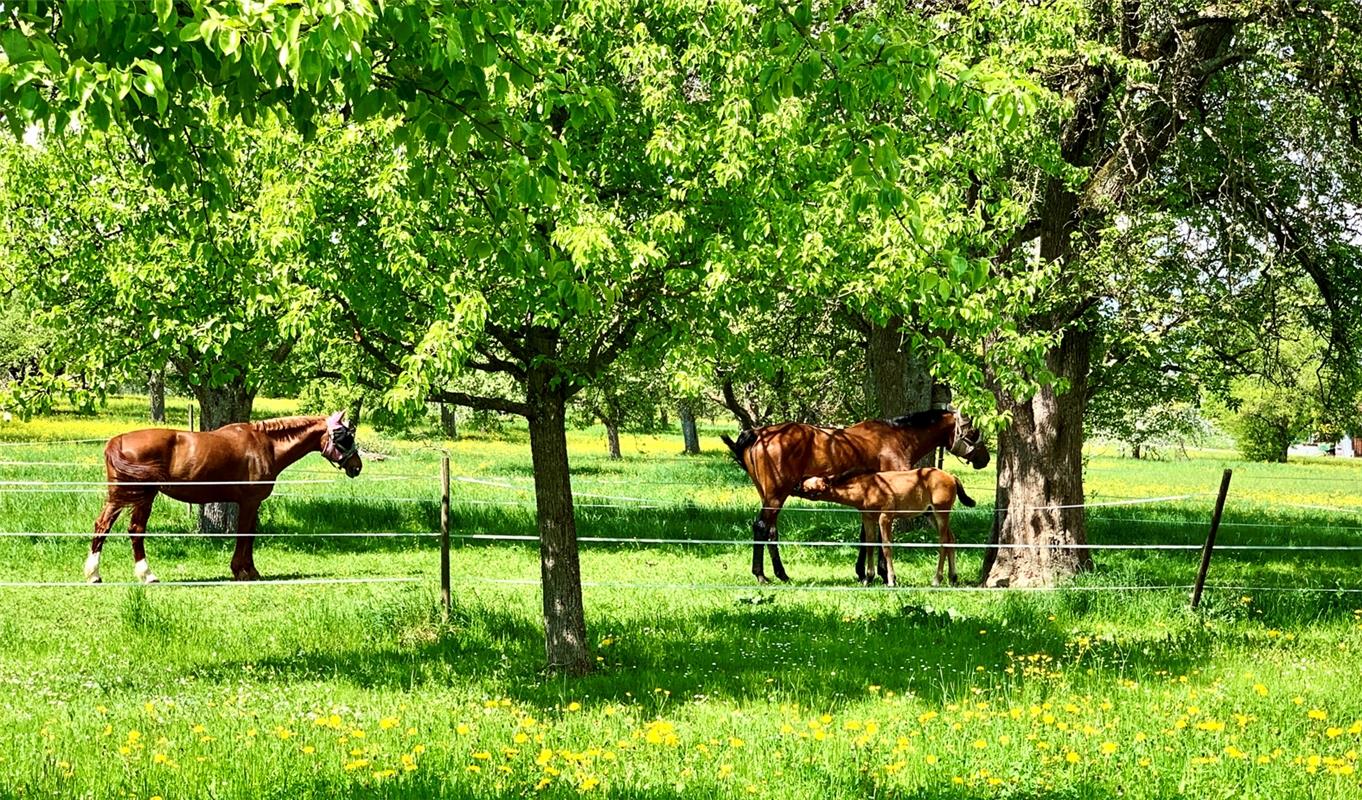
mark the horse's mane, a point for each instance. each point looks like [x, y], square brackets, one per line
[919, 419]
[285, 425]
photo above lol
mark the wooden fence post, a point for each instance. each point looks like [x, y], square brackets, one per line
[1210, 538]
[444, 535]
[191, 417]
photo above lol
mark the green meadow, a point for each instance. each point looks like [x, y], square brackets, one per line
[707, 685]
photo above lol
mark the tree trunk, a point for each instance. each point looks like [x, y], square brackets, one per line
[564, 620]
[1136, 451]
[688, 432]
[1040, 465]
[664, 422]
[449, 420]
[897, 381]
[157, 389]
[612, 439]
[218, 406]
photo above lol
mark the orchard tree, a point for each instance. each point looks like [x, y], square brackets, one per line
[1178, 110]
[137, 277]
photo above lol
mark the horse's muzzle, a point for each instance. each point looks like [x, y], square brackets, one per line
[352, 470]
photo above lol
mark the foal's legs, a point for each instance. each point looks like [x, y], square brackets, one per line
[886, 525]
[103, 523]
[243, 558]
[945, 553]
[141, 512]
[862, 570]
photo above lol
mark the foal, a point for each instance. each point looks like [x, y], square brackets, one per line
[883, 495]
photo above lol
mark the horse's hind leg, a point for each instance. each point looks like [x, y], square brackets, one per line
[764, 530]
[137, 526]
[103, 523]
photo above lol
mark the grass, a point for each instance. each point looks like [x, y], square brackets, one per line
[811, 690]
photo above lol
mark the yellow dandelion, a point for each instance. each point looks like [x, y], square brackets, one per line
[980, 744]
[482, 755]
[359, 763]
[388, 723]
[309, 749]
[1317, 713]
[931, 759]
[734, 741]
[1108, 748]
[574, 706]
[1072, 757]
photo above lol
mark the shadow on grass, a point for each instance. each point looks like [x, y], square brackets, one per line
[736, 652]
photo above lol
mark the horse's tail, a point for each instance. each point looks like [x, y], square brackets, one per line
[960, 493]
[120, 468]
[739, 448]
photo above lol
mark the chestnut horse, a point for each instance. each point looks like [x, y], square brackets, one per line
[779, 457]
[236, 463]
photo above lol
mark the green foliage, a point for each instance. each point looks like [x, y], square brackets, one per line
[137, 277]
[1267, 420]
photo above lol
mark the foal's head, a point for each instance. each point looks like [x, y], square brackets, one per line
[813, 487]
[338, 444]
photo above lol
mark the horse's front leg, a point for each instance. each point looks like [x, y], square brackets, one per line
[243, 557]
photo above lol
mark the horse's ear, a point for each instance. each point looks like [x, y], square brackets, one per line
[335, 419]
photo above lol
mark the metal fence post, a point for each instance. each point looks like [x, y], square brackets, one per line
[1210, 538]
[444, 535]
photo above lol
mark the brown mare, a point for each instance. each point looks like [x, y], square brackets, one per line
[234, 464]
[881, 497]
[779, 457]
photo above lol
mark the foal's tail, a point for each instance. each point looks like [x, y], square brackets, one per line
[960, 493]
[120, 468]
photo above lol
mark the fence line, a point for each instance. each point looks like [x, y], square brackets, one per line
[624, 540]
[195, 535]
[174, 584]
[44, 442]
[497, 537]
[772, 588]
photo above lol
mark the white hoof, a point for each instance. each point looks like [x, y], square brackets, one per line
[92, 568]
[142, 571]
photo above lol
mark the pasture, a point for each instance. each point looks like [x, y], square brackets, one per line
[707, 685]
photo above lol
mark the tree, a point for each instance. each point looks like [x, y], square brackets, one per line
[137, 277]
[1186, 113]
